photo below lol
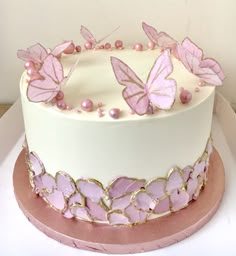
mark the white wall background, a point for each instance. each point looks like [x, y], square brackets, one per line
[209, 23]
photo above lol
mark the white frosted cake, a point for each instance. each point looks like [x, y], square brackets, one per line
[118, 135]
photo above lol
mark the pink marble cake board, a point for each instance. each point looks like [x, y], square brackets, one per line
[149, 236]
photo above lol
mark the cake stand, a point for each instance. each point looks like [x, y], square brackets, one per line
[154, 234]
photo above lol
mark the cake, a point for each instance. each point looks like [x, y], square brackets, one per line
[118, 135]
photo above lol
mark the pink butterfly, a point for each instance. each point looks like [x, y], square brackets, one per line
[162, 39]
[209, 70]
[52, 79]
[37, 53]
[89, 37]
[158, 91]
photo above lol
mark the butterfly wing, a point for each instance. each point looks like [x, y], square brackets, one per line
[165, 41]
[87, 35]
[208, 69]
[211, 71]
[36, 53]
[134, 92]
[190, 55]
[161, 91]
[60, 48]
[150, 32]
[45, 89]
[162, 39]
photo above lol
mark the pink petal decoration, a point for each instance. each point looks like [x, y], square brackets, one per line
[186, 173]
[56, 199]
[59, 49]
[80, 212]
[65, 184]
[91, 189]
[38, 184]
[124, 185]
[37, 165]
[192, 186]
[96, 211]
[162, 39]
[135, 215]
[191, 56]
[36, 53]
[121, 202]
[198, 169]
[48, 182]
[179, 199]
[162, 206]
[77, 198]
[161, 90]
[143, 201]
[156, 188]
[175, 181]
[67, 214]
[46, 89]
[117, 218]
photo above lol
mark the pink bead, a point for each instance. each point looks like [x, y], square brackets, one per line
[100, 114]
[61, 104]
[69, 107]
[78, 48]
[201, 83]
[100, 110]
[185, 96]
[132, 112]
[151, 45]
[87, 105]
[107, 46]
[88, 45]
[60, 95]
[197, 89]
[138, 47]
[114, 113]
[29, 65]
[100, 104]
[70, 49]
[33, 74]
[118, 44]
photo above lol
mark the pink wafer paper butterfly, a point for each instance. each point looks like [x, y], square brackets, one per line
[158, 91]
[89, 37]
[37, 53]
[52, 79]
[209, 70]
[162, 39]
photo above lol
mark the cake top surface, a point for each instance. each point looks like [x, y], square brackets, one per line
[124, 83]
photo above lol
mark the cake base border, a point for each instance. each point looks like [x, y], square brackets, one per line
[152, 235]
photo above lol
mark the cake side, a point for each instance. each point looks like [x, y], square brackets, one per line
[85, 145]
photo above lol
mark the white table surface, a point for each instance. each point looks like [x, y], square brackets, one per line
[19, 237]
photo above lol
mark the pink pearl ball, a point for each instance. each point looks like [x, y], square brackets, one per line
[118, 44]
[33, 74]
[107, 46]
[61, 104]
[151, 45]
[78, 48]
[87, 105]
[29, 65]
[70, 49]
[138, 47]
[185, 96]
[88, 45]
[114, 113]
[60, 95]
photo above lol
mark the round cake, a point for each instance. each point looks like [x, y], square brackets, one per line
[119, 135]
